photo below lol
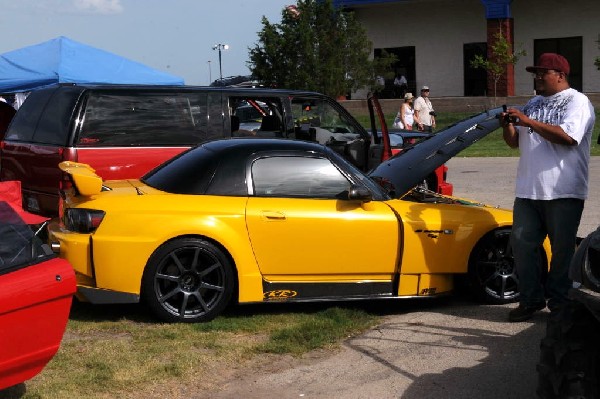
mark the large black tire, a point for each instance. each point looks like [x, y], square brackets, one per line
[492, 277]
[569, 358]
[188, 280]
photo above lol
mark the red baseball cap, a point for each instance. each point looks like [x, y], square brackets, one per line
[552, 61]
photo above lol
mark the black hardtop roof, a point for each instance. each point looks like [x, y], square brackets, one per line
[222, 164]
[260, 91]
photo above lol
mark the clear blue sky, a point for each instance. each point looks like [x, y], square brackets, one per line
[174, 36]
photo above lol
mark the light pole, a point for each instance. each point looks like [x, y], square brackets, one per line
[209, 74]
[220, 47]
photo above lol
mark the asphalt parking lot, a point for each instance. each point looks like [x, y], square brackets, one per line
[447, 348]
[492, 181]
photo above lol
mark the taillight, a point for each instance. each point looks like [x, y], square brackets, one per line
[82, 220]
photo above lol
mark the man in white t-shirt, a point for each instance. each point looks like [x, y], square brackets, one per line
[424, 113]
[553, 134]
[400, 86]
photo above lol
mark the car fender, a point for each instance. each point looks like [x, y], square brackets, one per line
[446, 246]
[119, 237]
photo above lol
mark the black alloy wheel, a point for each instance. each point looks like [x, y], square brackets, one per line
[188, 280]
[492, 276]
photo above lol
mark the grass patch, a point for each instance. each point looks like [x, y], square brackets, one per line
[314, 331]
[119, 351]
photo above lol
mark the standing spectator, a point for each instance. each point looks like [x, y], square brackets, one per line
[407, 112]
[553, 134]
[404, 118]
[424, 113]
[379, 82]
[19, 99]
[400, 86]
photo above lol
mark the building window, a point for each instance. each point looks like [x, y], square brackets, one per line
[475, 79]
[569, 47]
[405, 65]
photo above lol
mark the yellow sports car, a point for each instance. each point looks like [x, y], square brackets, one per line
[256, 220]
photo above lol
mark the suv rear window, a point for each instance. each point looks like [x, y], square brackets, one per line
[25, 121]
[45, 117]
[149, 119]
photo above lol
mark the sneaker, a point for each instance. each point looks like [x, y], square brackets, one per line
[523, 313]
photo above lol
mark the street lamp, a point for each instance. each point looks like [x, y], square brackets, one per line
[209, 74]
[220, 47]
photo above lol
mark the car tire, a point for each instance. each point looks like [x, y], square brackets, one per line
[569, 365]
[188, 280]
[491, 276]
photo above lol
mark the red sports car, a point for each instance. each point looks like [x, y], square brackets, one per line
[35, 295]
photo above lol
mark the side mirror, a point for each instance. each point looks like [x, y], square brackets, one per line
[359, 193]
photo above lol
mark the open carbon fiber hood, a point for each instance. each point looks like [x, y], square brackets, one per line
[407, 169]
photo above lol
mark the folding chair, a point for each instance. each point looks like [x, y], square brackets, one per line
[20, 231]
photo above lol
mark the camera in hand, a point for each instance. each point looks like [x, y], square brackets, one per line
[510, 119]
[506, 119]
[432, 113]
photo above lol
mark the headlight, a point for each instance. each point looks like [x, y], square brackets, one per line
[82, 220]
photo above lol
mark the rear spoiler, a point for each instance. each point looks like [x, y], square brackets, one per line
[83, 176]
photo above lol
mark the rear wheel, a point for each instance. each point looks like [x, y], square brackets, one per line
[188, 280]
[492, 275]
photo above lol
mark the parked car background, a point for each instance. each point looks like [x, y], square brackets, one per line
[125, 131]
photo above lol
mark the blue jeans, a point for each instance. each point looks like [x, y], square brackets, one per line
[533, 220]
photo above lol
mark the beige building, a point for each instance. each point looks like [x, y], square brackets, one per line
[436, 39]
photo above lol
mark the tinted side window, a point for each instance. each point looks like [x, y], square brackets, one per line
[295, 176]
[56, 122]
[25, 121]
[188, 173]
[145, 119]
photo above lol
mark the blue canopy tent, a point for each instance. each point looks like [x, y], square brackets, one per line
[62, 60]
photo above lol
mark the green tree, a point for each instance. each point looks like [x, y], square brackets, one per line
[315, 47]
[502, 56]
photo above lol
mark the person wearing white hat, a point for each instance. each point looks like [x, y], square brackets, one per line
[407, 112]
[424, 112]
[405, 116]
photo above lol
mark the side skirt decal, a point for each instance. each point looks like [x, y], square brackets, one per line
[294, 291]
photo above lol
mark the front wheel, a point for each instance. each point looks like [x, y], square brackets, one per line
[492, 276]
[188, 280]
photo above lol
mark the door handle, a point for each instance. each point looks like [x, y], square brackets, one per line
[272, 215]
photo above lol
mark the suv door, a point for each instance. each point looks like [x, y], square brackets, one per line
[301, 116]
[319, 118]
